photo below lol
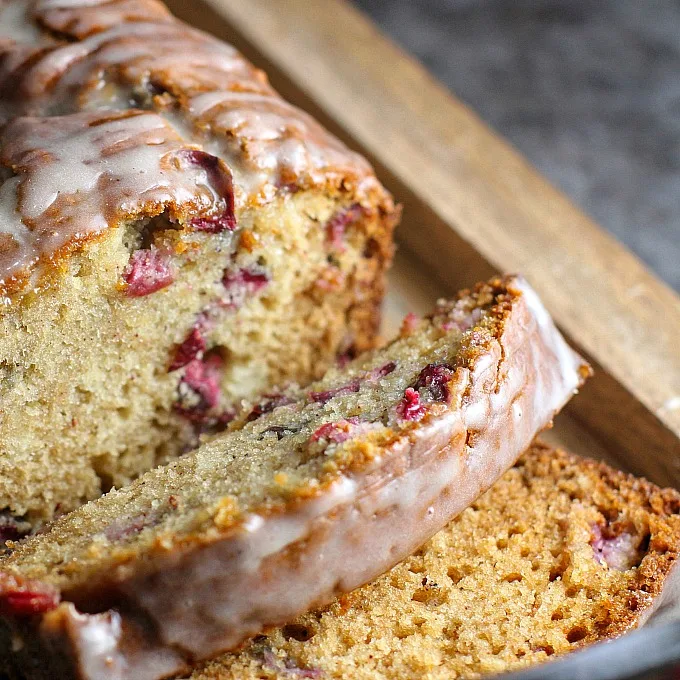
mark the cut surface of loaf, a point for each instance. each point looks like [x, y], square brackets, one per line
[174, 237]
[559, 553]
[313, 493]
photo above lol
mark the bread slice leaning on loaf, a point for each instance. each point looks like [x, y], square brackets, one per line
[174, 238]
[315, 493]
[560, 553]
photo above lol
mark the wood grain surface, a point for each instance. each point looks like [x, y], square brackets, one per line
[473, 205]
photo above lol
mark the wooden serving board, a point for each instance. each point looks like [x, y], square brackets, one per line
[473, 206]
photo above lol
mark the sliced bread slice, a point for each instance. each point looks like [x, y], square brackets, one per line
[316, 492]
[561, 552]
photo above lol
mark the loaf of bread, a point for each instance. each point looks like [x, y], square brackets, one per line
[174, 237]
[561, 552]
[312, 493]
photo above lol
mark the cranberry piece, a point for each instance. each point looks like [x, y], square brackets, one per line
[221, 180]
[381, 372]
[215, 224]
[435, 378]
[10, 529]
[121, 529]
[241, 283]
[225, 417]
[409, 324]
[199, 388]
[410, 408]
[192, 346]
[337, 432]
[26, 598]
[326, 396]
[618, 552]
[203, 378]
[273, 401]
[147, 272]
[337, 225]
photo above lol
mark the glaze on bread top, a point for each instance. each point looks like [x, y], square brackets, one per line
[77, 174]
[129, 64]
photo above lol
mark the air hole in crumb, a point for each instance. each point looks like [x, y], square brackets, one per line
[643, 548]
[269, 303]
[455, 575]
[105, 477]
[502, 543]
[576, 634]
[84, 268]
[371, 249]
[124, 412]
[524, 552]
[556, 572]
[557, 616]
[142, 234]
[548, 649]
[514, 576]
[422, 595]
[571, 591]
[224, 353]
[298, 632]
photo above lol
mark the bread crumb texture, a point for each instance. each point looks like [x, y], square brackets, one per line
[561, 552]
[165, 369]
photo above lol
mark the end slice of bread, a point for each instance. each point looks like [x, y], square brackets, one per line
[315, 492]
[174, 238]
[561, 552]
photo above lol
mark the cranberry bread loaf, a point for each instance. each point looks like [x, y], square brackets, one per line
[559, 553]
[174, 237]
[312, 493]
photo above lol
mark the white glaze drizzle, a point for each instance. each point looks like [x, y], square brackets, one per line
[220, 102]
[46, 5]
[16, 24]
[91, 170]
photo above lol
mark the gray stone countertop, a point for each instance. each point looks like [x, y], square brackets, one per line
[588, 90]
